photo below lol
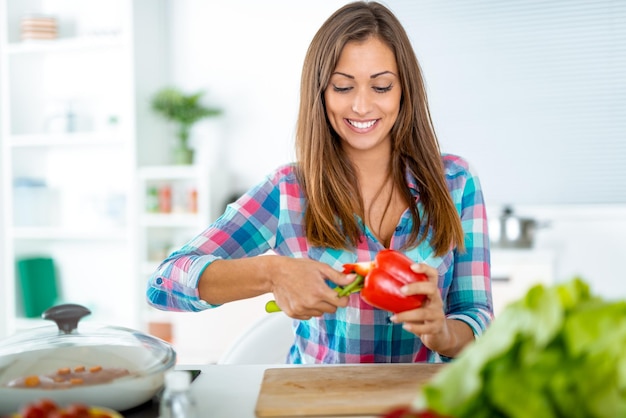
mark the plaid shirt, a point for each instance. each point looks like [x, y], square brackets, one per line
[269, 217]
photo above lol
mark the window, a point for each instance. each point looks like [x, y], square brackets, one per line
[532, 93]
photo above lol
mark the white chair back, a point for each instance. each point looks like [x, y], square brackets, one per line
[267, 341]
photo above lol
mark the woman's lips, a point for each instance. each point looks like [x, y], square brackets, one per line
[362, 126]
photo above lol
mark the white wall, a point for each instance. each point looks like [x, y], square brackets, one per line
[248, 56]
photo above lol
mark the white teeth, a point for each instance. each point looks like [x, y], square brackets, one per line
[362, 125]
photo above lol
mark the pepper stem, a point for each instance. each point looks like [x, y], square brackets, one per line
[271, 306]
[355, 286]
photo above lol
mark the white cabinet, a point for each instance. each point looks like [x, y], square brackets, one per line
[72, 111]
[515, 271]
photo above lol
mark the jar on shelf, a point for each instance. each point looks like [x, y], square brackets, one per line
[152, 200]
[165, 198]
[192, 200]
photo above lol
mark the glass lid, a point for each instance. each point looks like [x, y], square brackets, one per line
[85, 341]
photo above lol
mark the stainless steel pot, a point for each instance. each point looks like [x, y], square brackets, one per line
[45, 350]
[511, 231]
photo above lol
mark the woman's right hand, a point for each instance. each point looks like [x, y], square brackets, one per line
[300, 288]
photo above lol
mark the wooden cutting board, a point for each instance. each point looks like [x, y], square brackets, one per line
[347, 390]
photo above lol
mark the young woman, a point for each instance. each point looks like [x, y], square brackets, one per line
[369, 175]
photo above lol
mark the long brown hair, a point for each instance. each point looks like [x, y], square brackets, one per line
[326, 174]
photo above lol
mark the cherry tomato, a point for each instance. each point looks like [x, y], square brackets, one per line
[408, 412]
[47, 405]
[33, 411]
[46, 408]
[78, 411]
[60, 414]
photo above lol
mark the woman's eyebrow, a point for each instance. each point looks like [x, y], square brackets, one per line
[372, 76]
[383, 73]
[343, 74]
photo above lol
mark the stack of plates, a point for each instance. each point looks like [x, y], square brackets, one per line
[36, 27]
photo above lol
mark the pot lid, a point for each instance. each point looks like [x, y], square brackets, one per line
[84, 342]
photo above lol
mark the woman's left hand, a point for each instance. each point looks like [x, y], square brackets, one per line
[429, 321]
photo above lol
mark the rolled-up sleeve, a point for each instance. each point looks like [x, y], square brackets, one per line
[469, 297]
[246, 228]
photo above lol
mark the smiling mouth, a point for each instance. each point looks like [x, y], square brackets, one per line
[362, 125]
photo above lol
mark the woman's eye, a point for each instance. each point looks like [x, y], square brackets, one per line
[383, 89]
[341, 89]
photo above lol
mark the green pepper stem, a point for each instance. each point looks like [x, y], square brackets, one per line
[355, 286]
[271, 307]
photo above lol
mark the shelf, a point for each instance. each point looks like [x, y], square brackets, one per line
[173, 220]
[65, 45]
[168, 172]
[70, 139]
[59, 233]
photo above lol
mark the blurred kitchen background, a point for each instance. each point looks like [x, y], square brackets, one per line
[93, 195]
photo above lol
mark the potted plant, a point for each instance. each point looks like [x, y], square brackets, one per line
[185, 111]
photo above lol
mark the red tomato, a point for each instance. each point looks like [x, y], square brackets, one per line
[33, 411]
[408, 412]
[47, 405]
[78, 410]
[46, 408]
[60, 414]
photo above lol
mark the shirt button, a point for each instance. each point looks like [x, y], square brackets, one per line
[159, 280]
[398, 228]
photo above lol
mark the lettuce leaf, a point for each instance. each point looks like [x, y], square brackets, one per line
[557, 352]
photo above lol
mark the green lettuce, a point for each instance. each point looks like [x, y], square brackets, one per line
[559, 351]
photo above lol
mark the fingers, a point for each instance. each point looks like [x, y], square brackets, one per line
[338, 277]
[420, 321]
[430, 316]
[429, 288]
[430, 272]
[305, 313]
[422, 328]
[305, 292]
[419, 315]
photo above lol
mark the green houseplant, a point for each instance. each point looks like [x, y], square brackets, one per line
[184, 110]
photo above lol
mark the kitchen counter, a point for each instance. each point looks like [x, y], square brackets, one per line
[227, 391]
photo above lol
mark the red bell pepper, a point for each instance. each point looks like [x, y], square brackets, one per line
[379, 282]
[387, 274]
[362, 268]
[408, 412]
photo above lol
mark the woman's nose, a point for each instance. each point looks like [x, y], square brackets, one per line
[362, 102]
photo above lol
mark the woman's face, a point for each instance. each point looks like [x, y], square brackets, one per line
[363, 96]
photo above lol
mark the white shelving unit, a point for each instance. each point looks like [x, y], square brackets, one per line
[73, 112]
[77, 138]
[165, 226]
[198, 337]
[187, 213]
